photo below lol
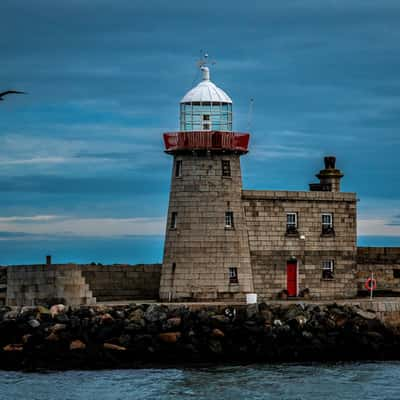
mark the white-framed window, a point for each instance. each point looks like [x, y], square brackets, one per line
[226, 168]
[174, 218]
[206, 127]
[327, 222]
[233, 276]
[206, 117]
[328, 269]
[291, 222]
[178, 168]
[229, 219]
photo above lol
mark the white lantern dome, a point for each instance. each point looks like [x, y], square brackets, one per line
[206, 107]
[206, 91]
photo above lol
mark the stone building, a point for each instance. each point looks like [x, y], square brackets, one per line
[223, 242]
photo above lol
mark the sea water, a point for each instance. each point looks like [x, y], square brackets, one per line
[365, 381]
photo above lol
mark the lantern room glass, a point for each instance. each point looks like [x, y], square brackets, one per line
[206, 116]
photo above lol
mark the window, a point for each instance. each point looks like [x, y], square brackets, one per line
[195, 114]
[327, 223]
[226, 168]
[206, 127]
[291, 222]
[233, 277]
[229, 219]
[178, 168]
[396, 273]
[328, 269]
[173, 267]
[174, 217]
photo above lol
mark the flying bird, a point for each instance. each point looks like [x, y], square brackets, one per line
[9, 92]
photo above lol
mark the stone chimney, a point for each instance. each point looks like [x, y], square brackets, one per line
[329, 178]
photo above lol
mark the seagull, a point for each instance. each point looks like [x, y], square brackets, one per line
[9, 92]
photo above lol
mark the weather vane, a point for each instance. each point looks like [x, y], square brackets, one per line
[203, 62]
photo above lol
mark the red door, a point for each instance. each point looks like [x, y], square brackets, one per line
[291, 274]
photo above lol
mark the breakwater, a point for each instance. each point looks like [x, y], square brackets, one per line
[76, 284]
[144, 335]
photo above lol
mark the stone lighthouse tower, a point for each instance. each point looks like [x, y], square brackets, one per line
[206, 254]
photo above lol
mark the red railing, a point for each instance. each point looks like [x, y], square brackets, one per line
[206, 140]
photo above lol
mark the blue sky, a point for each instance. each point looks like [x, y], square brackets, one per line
[82, 169]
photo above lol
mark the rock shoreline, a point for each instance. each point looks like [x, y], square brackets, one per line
[35, 338]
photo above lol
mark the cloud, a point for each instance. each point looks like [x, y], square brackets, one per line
[34, 218]
[395, 221]
[279, 151]
[105, 186]
[88, 154]
[81, 227]
[377, 227]
[36, 160]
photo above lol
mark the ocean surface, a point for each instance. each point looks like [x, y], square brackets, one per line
[364, 381]
[131, 250]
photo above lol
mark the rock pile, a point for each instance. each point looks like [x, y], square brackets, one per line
[144, 335]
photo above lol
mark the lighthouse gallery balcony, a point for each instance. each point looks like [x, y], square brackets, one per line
[206, 140]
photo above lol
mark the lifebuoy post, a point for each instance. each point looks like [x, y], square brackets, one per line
[370, 285]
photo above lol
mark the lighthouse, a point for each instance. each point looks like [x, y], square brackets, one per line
[206, 253]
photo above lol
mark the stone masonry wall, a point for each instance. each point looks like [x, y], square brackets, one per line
[123, 282]
[200, 250]
[76, 284]
[271, 247]
[384, 262]
[43, 284]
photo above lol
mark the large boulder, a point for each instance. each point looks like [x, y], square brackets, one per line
[136, 315]
[155, 313]
[214, 345]
[77, 345]
[169, 337]
[217, 333]
[172, 323]
[135, 326]
[11, 315]
[220, 320]
[57, 309]
[13, 347]
[34, 323]
[293, 311]
[58, 328]
[125, 340]
[114, 347]
[265, 313]
[251, 310]
[365, 314]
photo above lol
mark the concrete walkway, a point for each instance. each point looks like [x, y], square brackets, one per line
[354, 302]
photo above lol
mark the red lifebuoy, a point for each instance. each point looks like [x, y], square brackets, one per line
[370, 284]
